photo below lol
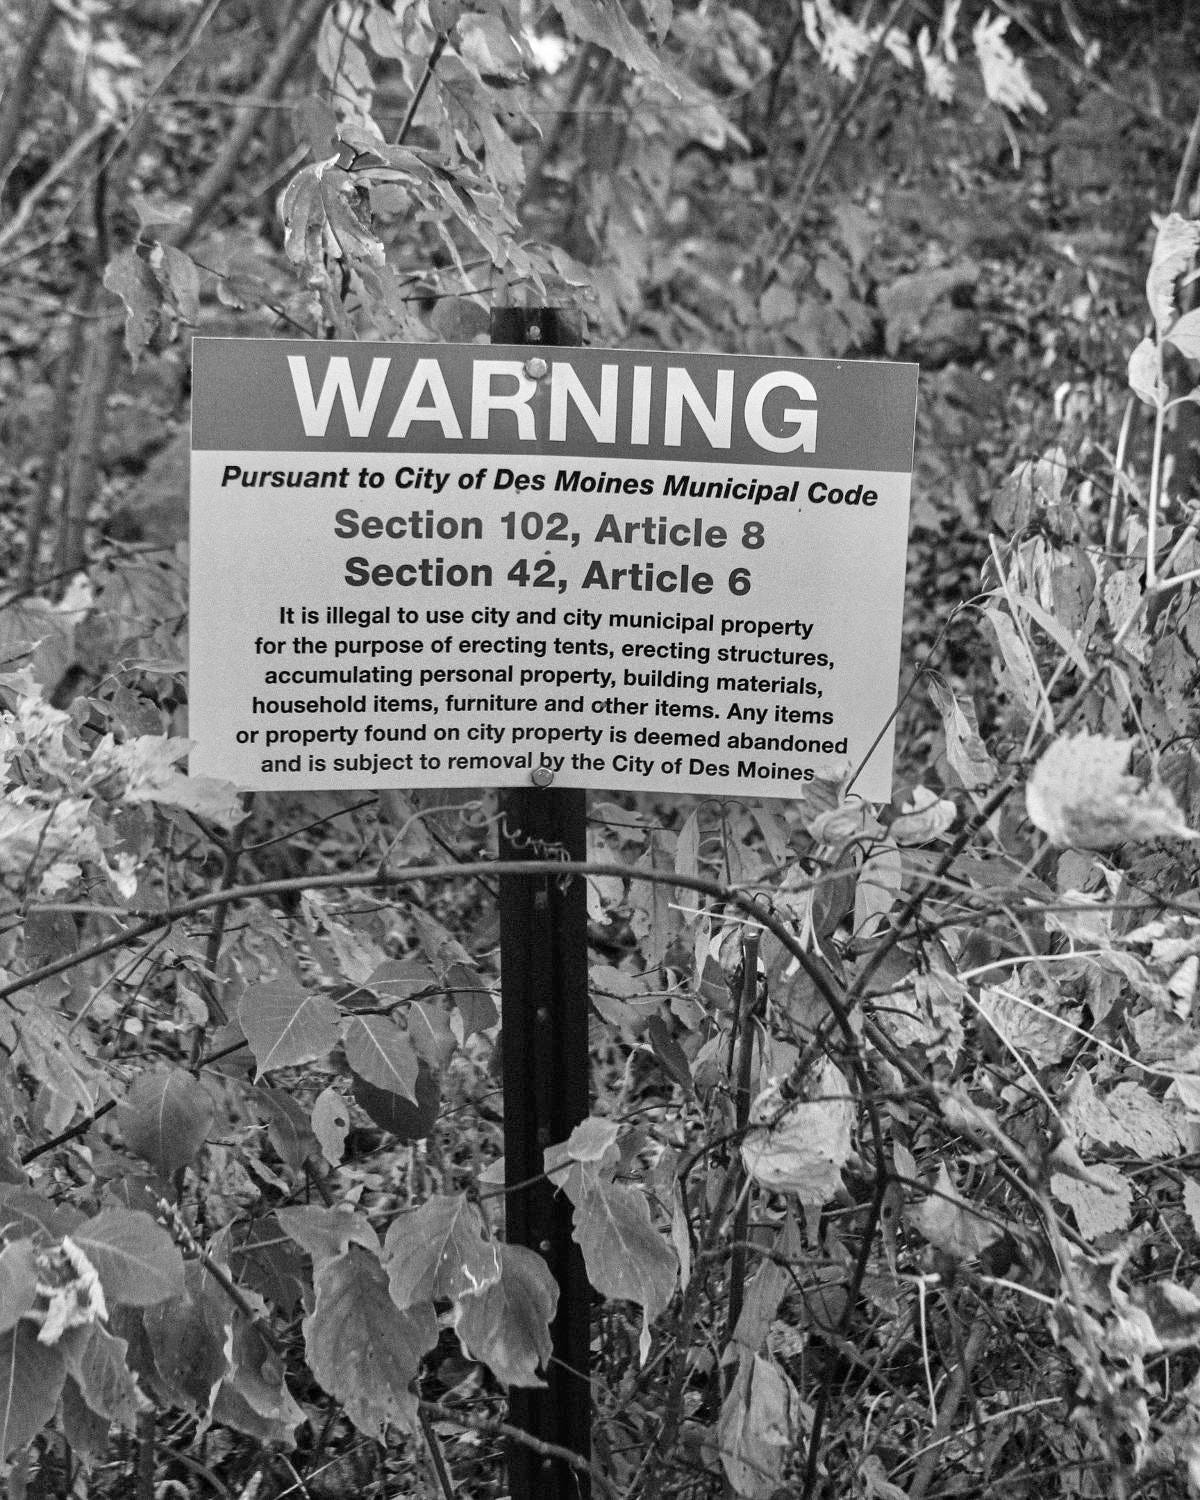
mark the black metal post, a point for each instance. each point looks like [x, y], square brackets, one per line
[543, 961]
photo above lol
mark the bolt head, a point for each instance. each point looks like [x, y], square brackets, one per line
[536, 368]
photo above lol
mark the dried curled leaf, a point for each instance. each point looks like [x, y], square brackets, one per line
[801, 1149]
[1081, 796]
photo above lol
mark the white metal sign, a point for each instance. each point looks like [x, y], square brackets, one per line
[437, 566]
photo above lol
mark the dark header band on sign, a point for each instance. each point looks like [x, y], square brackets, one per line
[316, 397]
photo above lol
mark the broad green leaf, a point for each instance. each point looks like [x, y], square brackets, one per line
[1185, 334]
[137, 1261]
[190, 1337]
[380, 1052]
[18, 1282]
[331, 1124]
[254, 1397]
[326, 1233]
[1145, 379]
[27, 1211]
[757, 1427]
[181, 275]
[439, 1250]
[508, 1325]
[99, 1363]
[604, 23]
[471, 994]
[287, 1125]
[625, 1254]
[429, 1032]
[132, 280]
[362, 1349]
[165, 1118]
[31, 1378]
[86, 1430]
[285, 1024]
[397, 1115]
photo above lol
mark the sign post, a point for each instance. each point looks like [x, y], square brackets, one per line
[544, 1015]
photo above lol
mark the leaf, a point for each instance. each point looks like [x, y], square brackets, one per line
[254, 1397]
[965, 751]
[31, 1378]
[605, 24]
[508, 1325]
[132, 280]
[472, 996]
[326, 1233]
[331, 1124]
[99, 1363]
[1101, 1207]
[1145, 379]
[18, 1282]
[1127, 1116]
[26, 1210]
[801, 1147]
[625, 1254]
[439, 1250]
[85, 1430]
[181, 275]
[362, 1349]
[399, 1116]
[285, 1024]
[287, 1126]
[137, 1261]
[670, 1054]
[1191, 1201]
[1080, 796]
[1022, 669]
[1174, 246]
[188, 1338]
[165, 1118]
[947, 1221]
[879, 882]
[381, 1053]
[1185, 334]
[923, 817]
[757, 1427]
[1026, 1028]
[429, 1032]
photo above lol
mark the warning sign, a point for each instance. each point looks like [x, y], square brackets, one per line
[448, 565]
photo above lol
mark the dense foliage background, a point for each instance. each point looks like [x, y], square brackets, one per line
[890, 1187]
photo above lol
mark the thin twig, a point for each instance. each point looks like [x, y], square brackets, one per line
[439, 46]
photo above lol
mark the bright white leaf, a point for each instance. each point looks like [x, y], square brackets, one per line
[1080, 795]
[1145, 379]
[1185, 334]
[801, 1147]
[757, 1427]
[331, 1124]
[1174, 247]
[948, 1222]
[1100, 1207]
